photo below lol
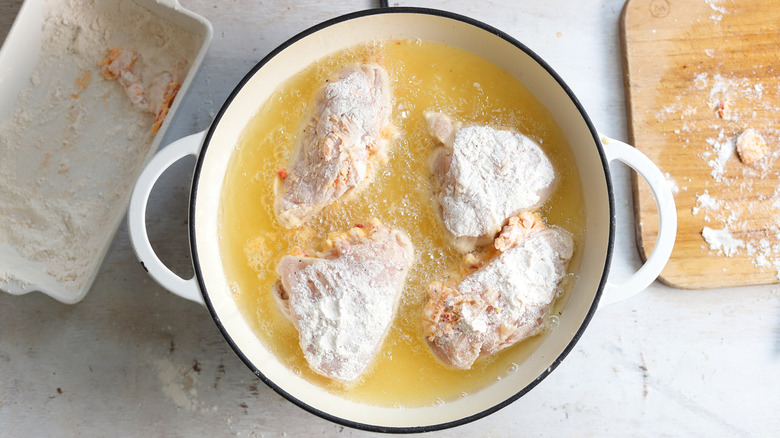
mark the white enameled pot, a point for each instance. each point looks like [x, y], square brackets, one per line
[213, 150]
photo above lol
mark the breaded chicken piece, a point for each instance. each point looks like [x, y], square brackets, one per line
[345, 136]
[343, 300]
[503, 300]
[484, 176]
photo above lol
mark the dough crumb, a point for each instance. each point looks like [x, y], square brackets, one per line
[724, 110]
[751, 146]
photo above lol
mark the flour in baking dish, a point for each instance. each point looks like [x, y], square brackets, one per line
[73, 144]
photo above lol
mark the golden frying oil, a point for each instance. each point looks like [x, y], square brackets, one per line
[425, 76]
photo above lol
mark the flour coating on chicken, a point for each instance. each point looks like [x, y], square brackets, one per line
[484, 176]
[342, 141]
[343, 299]
[504, 299]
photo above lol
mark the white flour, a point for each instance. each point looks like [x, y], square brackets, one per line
[705, 201]
[739, 201]
[179, 383]
[672, 183]
[723, 148]
[73, 144]
[714, 4]
[759, 245]
[732, 199]
[722, 240]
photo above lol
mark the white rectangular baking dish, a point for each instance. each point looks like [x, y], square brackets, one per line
[71, 142]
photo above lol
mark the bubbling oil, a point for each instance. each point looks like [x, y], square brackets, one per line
[424, 76]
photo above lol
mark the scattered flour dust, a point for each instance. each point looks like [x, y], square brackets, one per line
[705, 201]
[72, 144]
[723, 148]
[672, 183]
[178, 383]
[734, 235]
[722, 240]
[720, 10]
[737, 199]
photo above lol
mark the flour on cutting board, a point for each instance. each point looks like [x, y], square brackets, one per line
[705, 201]
[738, 155]
[722, 240]
[720, 10]
[73, 142]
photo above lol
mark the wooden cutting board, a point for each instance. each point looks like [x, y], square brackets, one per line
[697, 74]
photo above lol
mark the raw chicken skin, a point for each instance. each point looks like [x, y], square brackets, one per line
[343, 300]
[485, 175]
[346, 134]
[504, 299]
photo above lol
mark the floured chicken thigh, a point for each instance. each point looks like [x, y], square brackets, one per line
[484, 176]
[503, 301]
[346, 134]
[343, 300]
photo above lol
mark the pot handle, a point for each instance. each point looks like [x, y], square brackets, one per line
[667, 221]
[136, 217]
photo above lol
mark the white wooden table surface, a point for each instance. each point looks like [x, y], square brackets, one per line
[133, 360]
